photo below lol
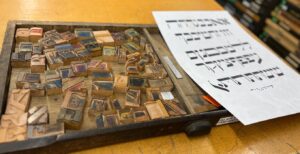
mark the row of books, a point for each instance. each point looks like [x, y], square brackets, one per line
[282, 31]
[276, 22]
[251, 13]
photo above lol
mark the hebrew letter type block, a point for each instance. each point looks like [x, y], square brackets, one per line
[20, 60]
[140, 115]
[71, 112]
[35, 33]
[102, 89]
[156, 109]
[22, 35]
[38, 115]
[53, 84]
[24, 77]
[104, 37]
[133, 98]
[79, 68]
[120, 84]
[99, 106]
[38, 64]
[109, 54]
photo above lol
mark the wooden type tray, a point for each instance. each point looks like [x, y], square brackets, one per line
[201, 116]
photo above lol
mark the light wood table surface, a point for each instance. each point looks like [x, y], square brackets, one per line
[276, 136]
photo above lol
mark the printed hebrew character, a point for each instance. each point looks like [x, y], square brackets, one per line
[269, 73]
[248, 77]
[221, 86]
[256, 74]
[234, 79]
[192, 54]
[169, 22]
[278, 71]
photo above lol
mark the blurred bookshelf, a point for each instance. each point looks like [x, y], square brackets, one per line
[276, 22]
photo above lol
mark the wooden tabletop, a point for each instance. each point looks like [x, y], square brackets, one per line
[276, 136]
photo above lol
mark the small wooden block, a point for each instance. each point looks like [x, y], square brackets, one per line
[70, 37]
[150, 52]
[14, 120]
[53, 84]
[99, 122]
[137, 83]
[132, 34]
[37, 49]
[92, 46]
[140, 115]
[52, 38]
[79, 68]
[116, 104]
[18, 101]
[74, 100]
[51, 75]
[104, 37]
[22, 35]
[132, 70]
[66, 53]
[44, 130]
[63, 48]
[53, 87]
[83, 33]
[109, 54]
[66, 72]
[120, 84]
[173, 108]
[110, 120]
[156, 109]
[77, 84]
[143, 42]
[35, 33]
[125, 116]
[47, 42]
[25, 47]
[71, 118]
[50, 33]
[68, 56]
[53, 60]
[119, 38]
[37, 64]
[98, 66]
[102, 76]
[163, 84]
[153, 94]
[131, 47]
[122, 56]
[78, 47]
[99, 106]
[38, 115]
[144, 60]
[71, 112]
[166, 95]
[155, 71]
[84, 55]
[20, 60]
[82, 52]
[36, 89]
[102, 89]
[24, 77]
[133, 98]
